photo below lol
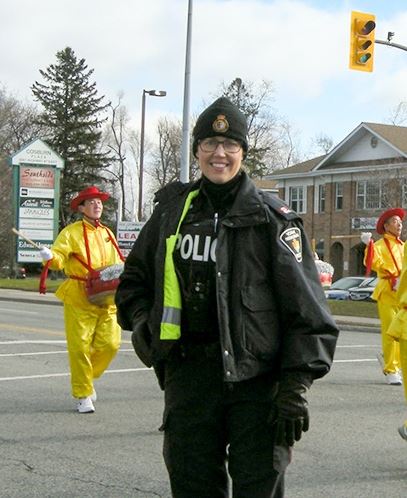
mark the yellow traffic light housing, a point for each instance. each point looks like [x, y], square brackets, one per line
[362, 39]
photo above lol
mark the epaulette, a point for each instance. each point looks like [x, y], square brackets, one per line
[280, 207]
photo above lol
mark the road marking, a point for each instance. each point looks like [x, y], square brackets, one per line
[30, 330]
[358, 346]
[50, 342]
[361, 360]
[50, 376]
[3, 355]
[32, 354]
[24, 312]
[33, 342]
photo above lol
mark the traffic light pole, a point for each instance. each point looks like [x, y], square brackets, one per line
[390, 44]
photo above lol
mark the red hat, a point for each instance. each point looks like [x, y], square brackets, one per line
[88, 193]
[386, 215]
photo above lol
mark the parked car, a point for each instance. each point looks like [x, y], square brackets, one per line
[339, 290]
[363, 292]
[16, 272]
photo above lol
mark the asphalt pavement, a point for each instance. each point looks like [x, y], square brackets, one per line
[352, 450]
[358, 323]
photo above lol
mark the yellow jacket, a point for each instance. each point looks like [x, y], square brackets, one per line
[384, 265]
[398, 327]
[71, 241]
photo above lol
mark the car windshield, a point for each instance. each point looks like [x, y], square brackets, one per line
[346, 283]
[369, 282]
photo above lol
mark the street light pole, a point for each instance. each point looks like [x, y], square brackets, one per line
[153, 93]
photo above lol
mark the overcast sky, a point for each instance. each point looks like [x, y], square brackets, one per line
[301, 46]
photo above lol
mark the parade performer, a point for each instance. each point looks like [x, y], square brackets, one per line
[398, 331]
[223, 297]
[92, 332]
[385, 257]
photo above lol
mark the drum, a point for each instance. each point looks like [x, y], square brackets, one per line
[101, 284]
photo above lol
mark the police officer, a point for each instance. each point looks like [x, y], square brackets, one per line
[223, 297]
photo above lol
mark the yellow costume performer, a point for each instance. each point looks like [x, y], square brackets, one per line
[92, 333]
[385, 257]
[398, 330]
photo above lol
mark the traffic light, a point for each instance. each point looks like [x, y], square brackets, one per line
[362, 37]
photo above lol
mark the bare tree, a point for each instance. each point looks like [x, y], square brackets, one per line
[398, 114]
[17, 127]
[166, 158]
[271, 141]
[322, 143]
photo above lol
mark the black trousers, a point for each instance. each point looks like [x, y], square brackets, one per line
[212, 429]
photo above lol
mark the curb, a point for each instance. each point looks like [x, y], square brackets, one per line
[344, 325]
[354, 327]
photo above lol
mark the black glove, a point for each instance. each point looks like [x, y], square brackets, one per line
[289, 415]
[141, 340]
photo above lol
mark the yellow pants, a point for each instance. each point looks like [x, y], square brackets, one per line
[390, 347]
[93, 338]
[403, 360]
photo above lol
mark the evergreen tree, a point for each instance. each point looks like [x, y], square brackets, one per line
[72, 117]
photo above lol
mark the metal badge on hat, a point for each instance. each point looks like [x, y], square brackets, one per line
[220, 125]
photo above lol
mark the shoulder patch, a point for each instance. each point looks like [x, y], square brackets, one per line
[291, 238]
[277, 205]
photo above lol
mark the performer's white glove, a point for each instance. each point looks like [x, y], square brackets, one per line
[365, 237]
[46, 253]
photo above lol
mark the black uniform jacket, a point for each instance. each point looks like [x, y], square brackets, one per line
[272, 312]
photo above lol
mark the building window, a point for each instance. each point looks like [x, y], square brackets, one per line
[368, 195]
[321, 198]
[296, 199]
[338, 196]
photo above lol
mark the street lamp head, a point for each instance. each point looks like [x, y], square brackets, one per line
[156, 93]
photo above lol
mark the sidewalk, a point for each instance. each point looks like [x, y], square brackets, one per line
[355, 323]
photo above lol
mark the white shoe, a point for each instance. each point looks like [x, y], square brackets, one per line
[85, 405]
[394, 379]
[94, 396]
[403, 431]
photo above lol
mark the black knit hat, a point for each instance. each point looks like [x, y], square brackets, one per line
[223, 118]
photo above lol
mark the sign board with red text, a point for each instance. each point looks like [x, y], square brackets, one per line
[36, 178]
[127, 233]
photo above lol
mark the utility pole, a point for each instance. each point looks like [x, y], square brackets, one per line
[184, 168]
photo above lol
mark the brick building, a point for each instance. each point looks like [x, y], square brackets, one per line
[341, 194]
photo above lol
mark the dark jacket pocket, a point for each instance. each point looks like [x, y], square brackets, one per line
[260, 321]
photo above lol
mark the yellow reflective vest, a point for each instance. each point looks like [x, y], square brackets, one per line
[171, 320]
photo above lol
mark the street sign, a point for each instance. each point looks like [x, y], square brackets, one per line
[127, 233]
[36, 174]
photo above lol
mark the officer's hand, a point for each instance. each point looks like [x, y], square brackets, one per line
[365, 237]
[141, 340]
[289, 415]
[46, 253]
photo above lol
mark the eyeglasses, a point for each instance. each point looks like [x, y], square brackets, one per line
[211, 144]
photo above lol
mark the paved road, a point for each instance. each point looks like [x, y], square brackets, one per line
[48, 450]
